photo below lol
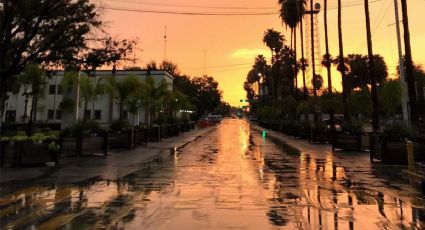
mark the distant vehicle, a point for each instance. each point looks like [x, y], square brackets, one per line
[214, 118]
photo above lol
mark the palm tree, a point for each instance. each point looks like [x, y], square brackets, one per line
[123, 90]
[409, 65]
[327, 63]
[261, 69]
[152, 96]
[35, 77]
[375, 112]
[341, 61]
[301, 6]
[290, 14]
[274, 40]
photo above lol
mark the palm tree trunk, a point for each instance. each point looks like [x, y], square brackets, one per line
[302, 54]
[411, 81]
[328, 64]
[342, 65]
[30, 125]
[375, 112]
[295, 62]
[111, 98]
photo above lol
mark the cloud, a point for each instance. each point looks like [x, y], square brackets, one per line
[250, 53]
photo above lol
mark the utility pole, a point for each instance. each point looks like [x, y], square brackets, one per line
[411, 81]
[404, 96]
[165, 44]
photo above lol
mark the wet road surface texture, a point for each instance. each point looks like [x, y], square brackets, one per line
[232, 178]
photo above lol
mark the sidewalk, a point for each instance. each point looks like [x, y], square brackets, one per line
[357, 167]
[117, 164]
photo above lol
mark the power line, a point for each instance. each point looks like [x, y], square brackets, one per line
[189, 13]
[196, 6]
[194, 13]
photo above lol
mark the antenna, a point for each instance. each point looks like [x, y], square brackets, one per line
[205, 62]
[165, 44]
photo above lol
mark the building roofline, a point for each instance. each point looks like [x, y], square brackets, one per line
[126, 72]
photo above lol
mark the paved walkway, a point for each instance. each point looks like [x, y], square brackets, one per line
[117, 164]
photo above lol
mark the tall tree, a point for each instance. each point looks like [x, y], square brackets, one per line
[327, 62]
[291, 16]
[411, 81]
[342, 68]
[35, 77]
[170, 67]
[123, 89]
[274, 40]
[301, 6]
[152, 96]
[375, 111]
[42, 31]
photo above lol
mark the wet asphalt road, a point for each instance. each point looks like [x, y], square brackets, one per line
[231, 178]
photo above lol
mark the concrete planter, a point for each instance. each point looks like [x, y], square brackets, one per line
[30, 153]
[173, 130]
[119, 140]
[164, 131]
[140, 137]
[320, 136]
[154, 134]
[347, 142]
[302, 132]
[7, 154]
[84, 145]
[27, 153]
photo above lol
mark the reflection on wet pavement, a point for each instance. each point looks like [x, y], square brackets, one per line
[231, 178]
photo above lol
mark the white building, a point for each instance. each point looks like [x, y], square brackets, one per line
[48, 106]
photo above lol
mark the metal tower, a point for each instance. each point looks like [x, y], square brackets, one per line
[316, 36]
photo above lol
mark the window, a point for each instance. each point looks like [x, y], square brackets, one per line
[52, 89]
[59, 90]
[87, 114]
[97, 114]
[10, 115]
[58, 114]
[50, 114]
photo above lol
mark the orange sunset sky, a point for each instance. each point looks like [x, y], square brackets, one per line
[228, 44]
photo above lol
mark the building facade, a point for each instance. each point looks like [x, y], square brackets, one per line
[104, 109]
